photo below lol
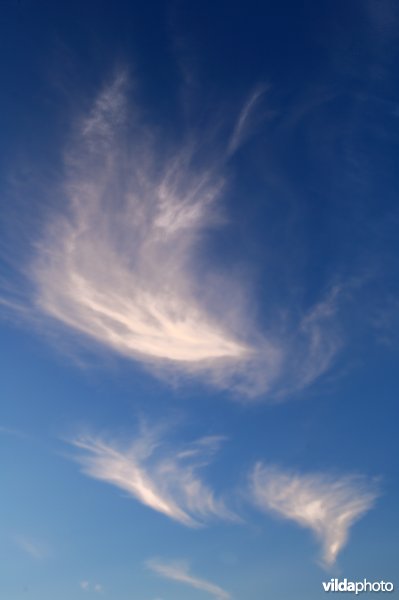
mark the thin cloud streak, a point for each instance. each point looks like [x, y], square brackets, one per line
[327, 505]
[242, 128]
[320, 339]
[165, 480]
[11, 431]
[35, 549]
[179, 571]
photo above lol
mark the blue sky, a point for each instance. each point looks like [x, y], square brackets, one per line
[199, 298]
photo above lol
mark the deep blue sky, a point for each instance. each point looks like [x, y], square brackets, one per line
[199, 298]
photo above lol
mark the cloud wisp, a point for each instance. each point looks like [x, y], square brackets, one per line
[87, 586]
[179, 571]
[327, 505]
[119, 261]
[242, 128]
[317, 343]
[166, 480]
[34, 548]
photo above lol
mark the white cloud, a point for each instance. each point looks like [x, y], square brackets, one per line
[163, 479]
[326, 505]
[179, 571]
[84, 585]
[119, 261]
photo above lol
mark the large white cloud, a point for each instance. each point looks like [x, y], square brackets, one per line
[121, 260]
[327, 505]
[118, 263]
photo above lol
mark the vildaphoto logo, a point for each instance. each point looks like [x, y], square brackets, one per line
[357, 587]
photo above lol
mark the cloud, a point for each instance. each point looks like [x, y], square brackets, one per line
[11, 431]
[118, 262]
[121, 262]
[243, 126]
[34, 548]
[87, 586]
[179, 571]
[318, 342]
[163, 479]
[327, 505]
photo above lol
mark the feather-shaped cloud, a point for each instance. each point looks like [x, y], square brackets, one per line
[166, 480]
[119, 262]
[327, 505]
[118, 265]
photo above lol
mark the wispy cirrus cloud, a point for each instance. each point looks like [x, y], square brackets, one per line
[33, 547]
[119, 263]
[243, 127]
[179, 571]
[120, 260]
[327, 505]
[318, 342]
[11, 431]
[164, 479]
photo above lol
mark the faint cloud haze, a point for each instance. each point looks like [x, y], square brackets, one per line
[89, 587]
[318, 342]
[327, 505]
[166, 480]
[34, 548]
[179, 571]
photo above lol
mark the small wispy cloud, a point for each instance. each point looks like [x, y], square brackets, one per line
[318, 342]
[91, 587]
[166, 480]
[179, 571]
[243, 127]
[327, 505]
[36, 549]
[13, 432]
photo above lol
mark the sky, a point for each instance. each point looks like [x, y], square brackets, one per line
[198, 298]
